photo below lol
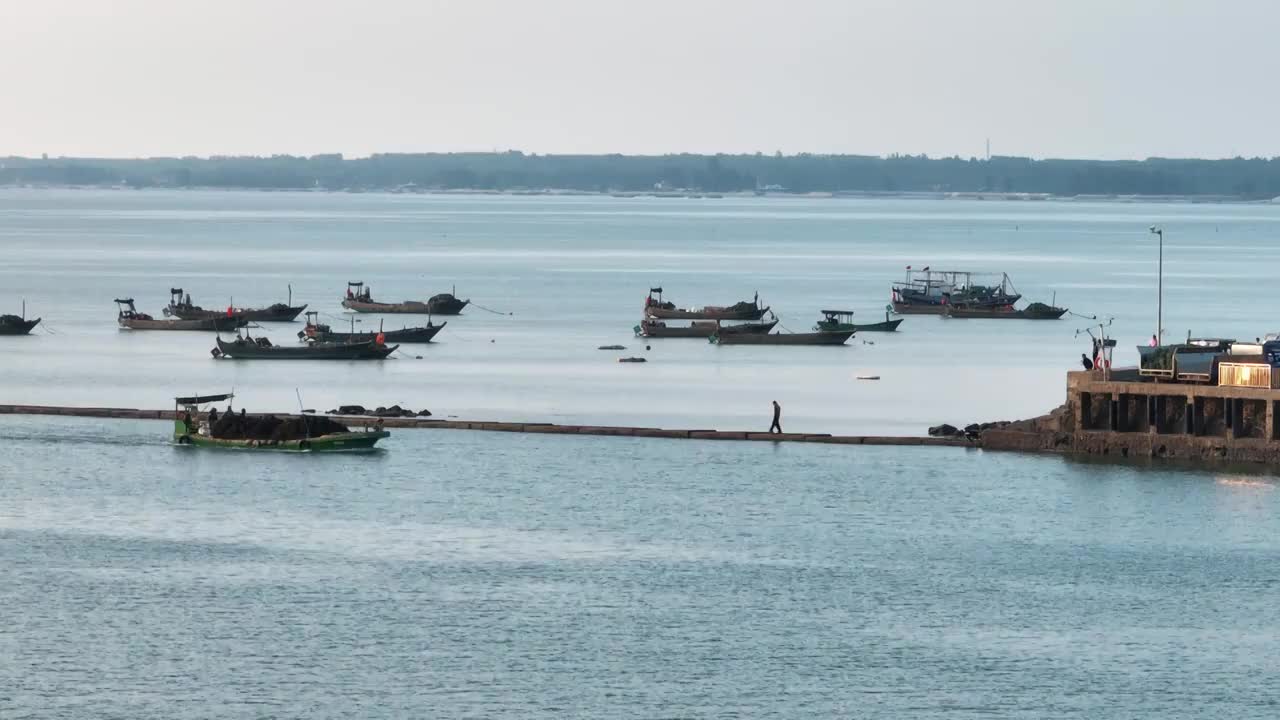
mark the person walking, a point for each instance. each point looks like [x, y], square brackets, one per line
[777, 419]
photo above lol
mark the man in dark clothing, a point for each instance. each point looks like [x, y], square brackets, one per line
[1086, 362]
[777, 418]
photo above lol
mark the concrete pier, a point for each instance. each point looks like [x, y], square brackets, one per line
[1128, 417]
[545, 428]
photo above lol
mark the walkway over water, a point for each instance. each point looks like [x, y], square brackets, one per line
[550, 428]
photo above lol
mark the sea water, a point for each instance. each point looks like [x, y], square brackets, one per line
[460, 574]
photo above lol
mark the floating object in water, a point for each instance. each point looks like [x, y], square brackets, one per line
[612, 347]
[646, 347]
[632, 359]
[868, 377]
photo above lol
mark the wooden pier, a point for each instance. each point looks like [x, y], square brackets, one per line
[513, 427]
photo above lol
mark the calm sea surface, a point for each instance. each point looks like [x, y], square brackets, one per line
[458, 574]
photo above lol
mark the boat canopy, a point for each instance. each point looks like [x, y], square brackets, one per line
[836, 312]
[124, 301]
[175, 291]
[657, 290]
[201, 399]
[355, 284]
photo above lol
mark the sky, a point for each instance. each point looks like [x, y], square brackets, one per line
[1042, 78]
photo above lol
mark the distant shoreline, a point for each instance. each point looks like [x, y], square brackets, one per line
[684, 194]
[680, 175]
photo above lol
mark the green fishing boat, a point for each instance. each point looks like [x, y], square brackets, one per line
[841, 320]
[304, 433]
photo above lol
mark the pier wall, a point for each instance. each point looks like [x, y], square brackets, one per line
[1127, 418]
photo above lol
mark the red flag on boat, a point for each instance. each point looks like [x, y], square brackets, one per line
[380, 339]
[230, 311]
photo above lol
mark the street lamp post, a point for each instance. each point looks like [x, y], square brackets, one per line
[1159, 232]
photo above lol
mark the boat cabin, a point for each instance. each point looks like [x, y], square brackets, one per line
[128, 312]
[357, 291]
[186, 421]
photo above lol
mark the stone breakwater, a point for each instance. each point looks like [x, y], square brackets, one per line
[543, 428]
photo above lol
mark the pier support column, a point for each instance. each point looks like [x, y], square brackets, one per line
[1189, 425]
[1153, 414]
[1232, 416]
[1196, 408]
[1270, 429]
[1114, 424]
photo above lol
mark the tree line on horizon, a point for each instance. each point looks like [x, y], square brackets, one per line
[1256, 178]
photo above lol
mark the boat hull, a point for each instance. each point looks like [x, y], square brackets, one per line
[661, 313]
[814, 338]
[405, 335]
[434, 306]
[700, 330]
[336, 442]
[283, 313]
[886, 326]
[22, 327]
[978, 313]
[317, 351]
[218, 324]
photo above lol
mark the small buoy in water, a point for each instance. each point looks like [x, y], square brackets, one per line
[646, 347]
[868, 377]
[492, 340]
[417, 357]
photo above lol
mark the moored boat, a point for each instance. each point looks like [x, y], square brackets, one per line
[929, 292]
[1034, 311]
[17, 324]
[129, 317]
[318, 332]
[360, 299]
[181, 307]
[658, 308]
[814, 338]
[837, 320]
[305, 433]
[651, 328]
[249, 348]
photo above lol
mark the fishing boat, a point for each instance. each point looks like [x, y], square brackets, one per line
[651, 328]
[929, 292]
[837, 320]
[315, 331]
[250, 348]
[130, 318]
[839, 337]
[1034, 311]
[181, 307]
[17, 324]
[360, 299]
[305, 433]
[656, 307]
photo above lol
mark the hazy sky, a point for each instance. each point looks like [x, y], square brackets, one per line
[1075, 78]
